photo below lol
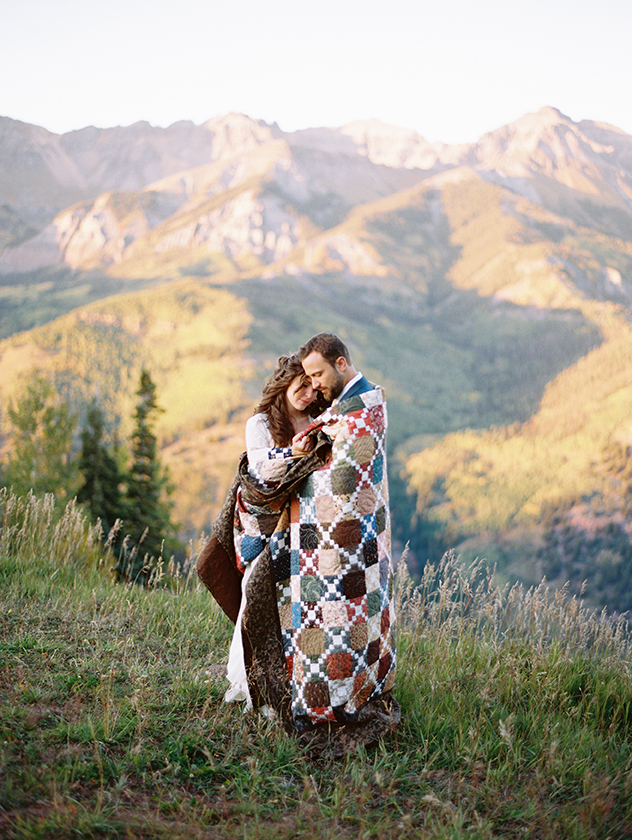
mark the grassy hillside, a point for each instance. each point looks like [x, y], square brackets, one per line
[516, 712]
[35, 298]
[487, 490]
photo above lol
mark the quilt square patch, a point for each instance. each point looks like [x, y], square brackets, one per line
[364, 449]
[372, 577]
[343, 480]
[356, 610]
[339, 666]
[362, 690]
[337, 640]
[251, 547]
[369, 549]
[284, 592]
[374, 603]
[348, 533]
[309, 536]
[312, 641]
[352, 558]
[309, 561]
[326, 508]
[314, 667]
[333, 588]
[340, 691]
[312, 588]
[282, 566]
[321, 482]
[378, 419]
[369, 529]
[373, 652]
[280, 541]
[329, 562]
[378, 469]
[285, 616]
[296, 614]
[308, 511]
[317, 695]
[353, 404]
[359, 636]
[334, 614]
[354, 585]
[366, 500]
[373, 624]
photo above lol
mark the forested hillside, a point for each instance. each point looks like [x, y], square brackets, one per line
[487, 287]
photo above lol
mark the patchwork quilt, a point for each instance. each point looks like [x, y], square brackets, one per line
[327, 541]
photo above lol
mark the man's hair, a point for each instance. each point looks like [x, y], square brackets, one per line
[328, 345]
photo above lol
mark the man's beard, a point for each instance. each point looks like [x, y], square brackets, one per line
[336, 387]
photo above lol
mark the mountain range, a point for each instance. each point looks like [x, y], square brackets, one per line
[487, 286]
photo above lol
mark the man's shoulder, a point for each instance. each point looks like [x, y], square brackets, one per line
[365, 397]
[360, 387]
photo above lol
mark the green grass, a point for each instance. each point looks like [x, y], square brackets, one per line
[517, 711]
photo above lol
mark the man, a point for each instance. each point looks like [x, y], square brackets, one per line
[327, 362]
[342, 575]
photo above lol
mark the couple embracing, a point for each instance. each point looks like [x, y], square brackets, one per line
[300, 556]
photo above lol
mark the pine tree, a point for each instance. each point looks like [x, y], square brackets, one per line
[102, 478]
[151, 532]
[41, 456]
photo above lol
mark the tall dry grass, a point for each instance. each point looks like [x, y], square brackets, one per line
[517, 710]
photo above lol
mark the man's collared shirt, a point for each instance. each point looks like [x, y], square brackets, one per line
[347, 387]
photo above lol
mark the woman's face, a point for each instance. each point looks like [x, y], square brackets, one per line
[300, 394]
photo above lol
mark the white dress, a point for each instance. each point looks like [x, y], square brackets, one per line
[258, 436]
[266, 462]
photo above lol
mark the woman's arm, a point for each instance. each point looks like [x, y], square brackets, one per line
[266, 462]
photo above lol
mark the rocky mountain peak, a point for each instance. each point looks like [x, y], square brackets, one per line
[34, 165]
[381, 144]
[546, 135]
[234, 134]
[548, 145]
[393, 146]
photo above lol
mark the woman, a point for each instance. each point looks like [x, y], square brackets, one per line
[287, 405]
[282, 413]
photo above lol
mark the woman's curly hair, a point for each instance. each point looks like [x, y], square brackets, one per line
[273, 404]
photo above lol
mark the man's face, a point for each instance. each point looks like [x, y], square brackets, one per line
[325, 378]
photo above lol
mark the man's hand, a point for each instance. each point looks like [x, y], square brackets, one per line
[302, 443]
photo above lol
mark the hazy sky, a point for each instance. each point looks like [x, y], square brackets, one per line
[450, 69]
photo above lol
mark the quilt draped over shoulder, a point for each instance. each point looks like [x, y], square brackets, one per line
[318, 626]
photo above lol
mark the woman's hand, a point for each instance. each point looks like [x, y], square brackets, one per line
[302, 443]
